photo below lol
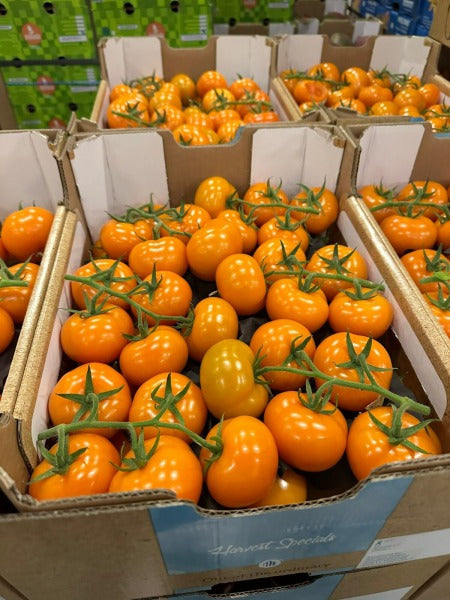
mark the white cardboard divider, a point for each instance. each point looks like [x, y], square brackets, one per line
[27, 153]
[245, 55]
[299, 52]
[388, 150]
[131, 58]
[50, 374]
[128, 168]
[400, 54]
[363, 28]
[312, 157]
[420, 361]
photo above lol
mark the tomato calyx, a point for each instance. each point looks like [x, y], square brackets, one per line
[312, 200]
[316, 401]
[133, 114]
[319, 76]
[359, 363]
[397, 435]
[387, 193]
[61, 460]
[297, 352]
[89, 400]
[143, 84]
[8, 279]
[360, 293]
[442, 302]
[436, 264]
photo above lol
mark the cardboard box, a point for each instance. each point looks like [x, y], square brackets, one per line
[29, 174]
[377, 522]
[400, 54]
[423, 156]
[184, 23]
[37, 30]
[263, 12]
[271, 30]
[44, 96]
[125, 59]
[436, 587]
[397, 582]
[440, 28]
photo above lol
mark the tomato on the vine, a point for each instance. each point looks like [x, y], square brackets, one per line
[306, 439]
[286, 299]
[240, 281]
[276, 257]
[288, 488]
[275, 342]
[25, 231]
[246, 469]
[90, 473]
[345, 356]
[173, 466]
[214, 320]
[98, 337]
[111, 407]
[212, 193]
[262, 193]
[190, 410]
[369, 447]
[165, 254]
[163, 349]
[208, 246]
[323, 201]
[409, 233]
[118, 238]
[228, 382]
[122, 281]
[6, 329]
[15, 299]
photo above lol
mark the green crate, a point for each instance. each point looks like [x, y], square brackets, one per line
[253, 11]
[184, 23]
[50, 30]
[39, 95]
[10, 40]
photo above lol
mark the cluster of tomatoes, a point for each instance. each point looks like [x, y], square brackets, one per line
[377, 93]
[229, 317]
[416, 221]
[24, 234]
[208, 111]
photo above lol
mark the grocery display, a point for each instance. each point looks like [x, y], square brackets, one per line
[224, 300]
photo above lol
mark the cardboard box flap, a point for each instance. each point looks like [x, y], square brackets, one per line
[440, 27]
[137, 169]
[380, 147]
[128, 58]
[42, 184]
[400, 54]
[249, 56]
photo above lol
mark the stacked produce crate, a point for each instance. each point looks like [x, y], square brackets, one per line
[49, 63]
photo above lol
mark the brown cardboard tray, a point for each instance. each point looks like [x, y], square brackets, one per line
[140, 526]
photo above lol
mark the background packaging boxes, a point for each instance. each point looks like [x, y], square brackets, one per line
[184, 23]
[252, 11]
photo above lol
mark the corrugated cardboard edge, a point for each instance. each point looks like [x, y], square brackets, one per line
[29, 324]
[25, 402]
[431, 335]
[435, 588]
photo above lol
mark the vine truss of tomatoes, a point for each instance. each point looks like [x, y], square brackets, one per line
[206, 112]
[252, 250]
[376, 93]
[416, 221]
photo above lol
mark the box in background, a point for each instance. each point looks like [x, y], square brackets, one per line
[184, 23]
[252, 11]
[44, 96]
[37, 30]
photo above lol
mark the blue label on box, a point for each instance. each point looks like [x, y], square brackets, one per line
[193, 541]
[321, 588]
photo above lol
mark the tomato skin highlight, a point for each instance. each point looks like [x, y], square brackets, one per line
[228, 382]
[370, 317]
[409, 233]
[368, 447]
[306, 439]
[172, 467]
[165, 254]
[91, 473]
[247, 467]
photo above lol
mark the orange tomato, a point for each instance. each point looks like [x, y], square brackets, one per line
[371, 94]
[309, 90]
[210, 80]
